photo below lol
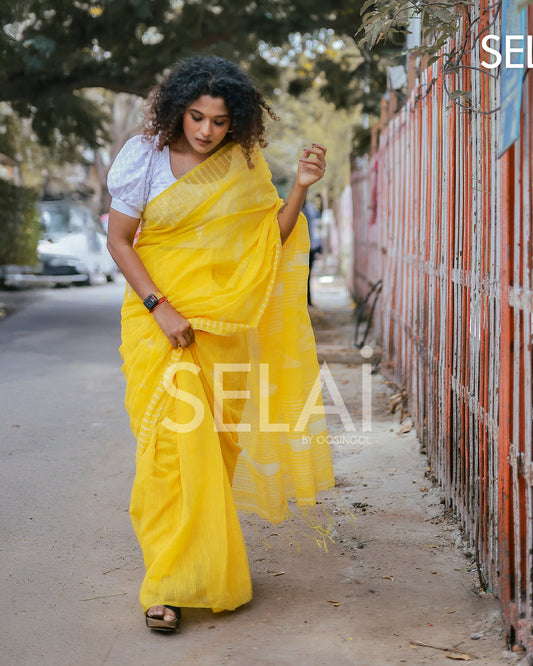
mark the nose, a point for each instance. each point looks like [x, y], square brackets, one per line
[206, 128]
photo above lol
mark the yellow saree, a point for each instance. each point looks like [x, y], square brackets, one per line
[235, 420]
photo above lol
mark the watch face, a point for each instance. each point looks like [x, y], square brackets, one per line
[151, 301]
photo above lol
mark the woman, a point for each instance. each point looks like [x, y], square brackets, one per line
[219, 357]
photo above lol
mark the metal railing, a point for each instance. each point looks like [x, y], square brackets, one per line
[448, 230]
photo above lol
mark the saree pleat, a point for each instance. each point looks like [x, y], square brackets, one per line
[235, 420]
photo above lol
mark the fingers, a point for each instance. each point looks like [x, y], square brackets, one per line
[315, 156]
[177, 329]
[186, 338]
[316, 149]
[313, 161]
[312, 167]
[320, 147]
[182, 339]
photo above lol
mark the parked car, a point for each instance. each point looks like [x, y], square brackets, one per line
[72, 249]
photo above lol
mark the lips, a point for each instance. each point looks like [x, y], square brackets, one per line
[203, 142]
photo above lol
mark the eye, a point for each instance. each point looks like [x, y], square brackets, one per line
[196, 119]
[220, 123]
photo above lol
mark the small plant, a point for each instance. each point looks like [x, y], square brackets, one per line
[19, 224]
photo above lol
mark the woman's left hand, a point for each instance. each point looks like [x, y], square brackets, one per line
[312, 165]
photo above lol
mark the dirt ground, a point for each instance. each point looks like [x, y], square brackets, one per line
[397, 585]
[399, 573]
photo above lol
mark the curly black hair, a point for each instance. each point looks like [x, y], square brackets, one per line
[208, 75]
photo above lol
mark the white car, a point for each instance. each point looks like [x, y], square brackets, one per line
[72, 249]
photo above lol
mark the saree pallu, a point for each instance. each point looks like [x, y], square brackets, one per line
[234, 421]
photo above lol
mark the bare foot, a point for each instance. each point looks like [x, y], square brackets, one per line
[161, 613]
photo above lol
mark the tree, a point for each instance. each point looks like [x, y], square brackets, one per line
[344, 71]
[386, 19]
[53, 50]
[19, 225]
[303, 120]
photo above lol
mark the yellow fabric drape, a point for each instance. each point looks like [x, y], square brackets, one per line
[216, 423]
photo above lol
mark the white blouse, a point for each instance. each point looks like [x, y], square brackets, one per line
[139, 173]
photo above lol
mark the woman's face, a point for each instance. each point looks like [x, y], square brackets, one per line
[206, 122]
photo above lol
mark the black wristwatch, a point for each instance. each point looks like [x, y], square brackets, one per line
[151, 301]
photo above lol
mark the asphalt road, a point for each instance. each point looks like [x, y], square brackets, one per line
[66, 468]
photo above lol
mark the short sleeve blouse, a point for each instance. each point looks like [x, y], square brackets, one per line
[138, 174]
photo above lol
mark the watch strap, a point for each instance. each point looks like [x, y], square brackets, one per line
[152, 301]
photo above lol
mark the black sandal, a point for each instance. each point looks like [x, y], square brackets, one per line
[158, 622]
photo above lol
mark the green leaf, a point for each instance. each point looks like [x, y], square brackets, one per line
[444, 15]
[373, 32]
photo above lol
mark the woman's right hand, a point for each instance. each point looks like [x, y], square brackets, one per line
[121, 233]
[174, 326]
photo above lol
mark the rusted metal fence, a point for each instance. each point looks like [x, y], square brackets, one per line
[447, 227]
